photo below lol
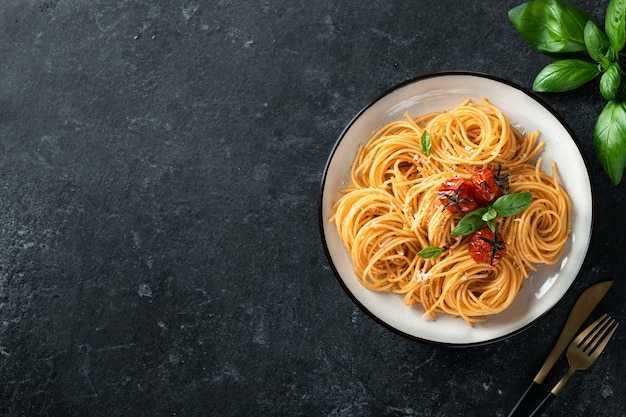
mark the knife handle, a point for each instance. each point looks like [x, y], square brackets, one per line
[543, 405]
[529, 397]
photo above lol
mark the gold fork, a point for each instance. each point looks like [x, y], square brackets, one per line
[582, 353]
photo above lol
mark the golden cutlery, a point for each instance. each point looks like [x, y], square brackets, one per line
[582, 353]
[585, 304]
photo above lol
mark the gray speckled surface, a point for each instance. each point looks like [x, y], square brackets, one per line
[159, 169]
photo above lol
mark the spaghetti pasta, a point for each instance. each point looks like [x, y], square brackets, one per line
[391, 211]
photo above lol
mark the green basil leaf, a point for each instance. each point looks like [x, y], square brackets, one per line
[552, 27]
[490, 214]
[597, 43]
[511, 204]
[430, 252]
[614, 23]
[609, 139]
[425, 143]
[471, 222]
[565, 75]
[610, 82]
[492, 225]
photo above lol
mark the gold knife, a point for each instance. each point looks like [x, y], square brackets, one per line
[585, 304]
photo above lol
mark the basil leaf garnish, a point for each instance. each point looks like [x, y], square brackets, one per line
[614, 23]
[610, 81]
[470, 223]
[565, 75]
[490, 214]
[511, 204]
[551, 26]
[609, 139]
[430, 252]
[598, 44]
[558, 29]
[505, 206]
[426, 143]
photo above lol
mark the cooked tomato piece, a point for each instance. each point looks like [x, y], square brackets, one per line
[488, 186]
[485, 247]
[457, 195]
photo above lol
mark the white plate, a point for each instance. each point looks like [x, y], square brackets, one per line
[443, 91]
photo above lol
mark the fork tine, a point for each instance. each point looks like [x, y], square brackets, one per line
[599, 347]
[593, 336]
[588, 338]
[582, 335]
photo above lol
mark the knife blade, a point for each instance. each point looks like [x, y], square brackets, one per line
[583, 307]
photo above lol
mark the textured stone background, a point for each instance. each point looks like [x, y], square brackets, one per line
[160, 163]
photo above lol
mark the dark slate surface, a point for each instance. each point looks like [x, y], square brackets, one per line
[159, 249]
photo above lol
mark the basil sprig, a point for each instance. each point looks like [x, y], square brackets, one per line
[556, 28]
[506, 206]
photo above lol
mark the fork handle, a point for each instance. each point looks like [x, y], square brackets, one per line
[523, 406]
[543, 405]
[557, 388]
